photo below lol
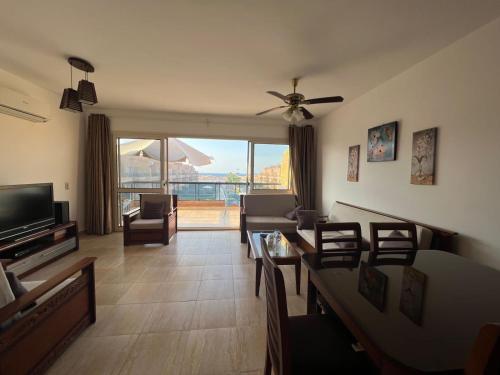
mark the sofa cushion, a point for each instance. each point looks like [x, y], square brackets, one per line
[268, 204]
[146, 224]
[396, 244]
[270, 223]
[306, 219]
[155, 198]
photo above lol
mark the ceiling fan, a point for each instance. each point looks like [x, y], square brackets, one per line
[294, 102]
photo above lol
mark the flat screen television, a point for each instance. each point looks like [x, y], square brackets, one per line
[25, 209]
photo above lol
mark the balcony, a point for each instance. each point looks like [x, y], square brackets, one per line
[213, 205]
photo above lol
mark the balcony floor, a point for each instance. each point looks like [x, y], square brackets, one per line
[193, 217]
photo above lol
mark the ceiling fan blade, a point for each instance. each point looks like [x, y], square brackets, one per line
[328, 99]
[307, 115]
[272, 109]
[277, 94]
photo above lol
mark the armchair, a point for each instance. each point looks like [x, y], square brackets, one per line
[137, 230]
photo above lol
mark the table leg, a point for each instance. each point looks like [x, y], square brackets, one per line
[312, 295]
[258, 273]
[298, 267]
[248, 250]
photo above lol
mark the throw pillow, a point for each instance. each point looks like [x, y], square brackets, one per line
[306, 219]
[152, 210]
[396, 244]
[292, 215]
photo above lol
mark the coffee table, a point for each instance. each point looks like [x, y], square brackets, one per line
[284, 253]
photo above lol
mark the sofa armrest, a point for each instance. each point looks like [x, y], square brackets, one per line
[8, 311]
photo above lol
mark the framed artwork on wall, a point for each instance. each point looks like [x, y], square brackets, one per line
[353, 164]
[423, 157]
[382, 142]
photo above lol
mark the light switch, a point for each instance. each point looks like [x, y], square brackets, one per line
[66, 185]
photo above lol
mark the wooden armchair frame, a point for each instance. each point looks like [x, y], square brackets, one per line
[143, 236]
[30, 344]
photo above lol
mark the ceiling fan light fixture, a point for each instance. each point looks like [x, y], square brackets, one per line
[293, 115]
[69, 101]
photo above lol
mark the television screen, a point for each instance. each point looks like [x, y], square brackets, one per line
[25, 208]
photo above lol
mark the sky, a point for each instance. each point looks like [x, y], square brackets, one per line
[231, 155]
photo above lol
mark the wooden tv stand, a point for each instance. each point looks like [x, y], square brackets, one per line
[28, 254]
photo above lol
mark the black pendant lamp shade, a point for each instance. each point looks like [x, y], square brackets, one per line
[69, 101]
[86, 92]
[72, 99]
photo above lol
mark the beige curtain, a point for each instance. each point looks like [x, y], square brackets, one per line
[98, 176]
[303, 164]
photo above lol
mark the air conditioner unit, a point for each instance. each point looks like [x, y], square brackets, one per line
[19, 105]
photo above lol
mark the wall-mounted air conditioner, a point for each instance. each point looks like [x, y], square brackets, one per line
[19, 105]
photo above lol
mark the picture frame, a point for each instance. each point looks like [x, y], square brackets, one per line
[423, 157]
[353, 163]
[382, 142]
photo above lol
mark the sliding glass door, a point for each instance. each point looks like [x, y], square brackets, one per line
[207, 175]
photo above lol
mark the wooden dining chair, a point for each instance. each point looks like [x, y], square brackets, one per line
[484, 357]
[307, 344]
[339, 242]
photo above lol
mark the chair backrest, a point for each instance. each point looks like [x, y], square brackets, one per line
[277, 315]
[338, 240]
[393, 244]
[484, 357]
[166, 199]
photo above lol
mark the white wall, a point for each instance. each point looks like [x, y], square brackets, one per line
[457, 90]
[50, 152]
[194, 125]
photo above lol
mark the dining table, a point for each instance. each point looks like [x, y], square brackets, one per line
[416, 314]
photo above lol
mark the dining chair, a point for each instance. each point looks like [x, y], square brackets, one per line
[306, 344]
[340, 241]
[484, 357]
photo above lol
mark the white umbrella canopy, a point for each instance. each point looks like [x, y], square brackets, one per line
[178, 151]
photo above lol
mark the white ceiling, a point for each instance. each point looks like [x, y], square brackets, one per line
[220, 56]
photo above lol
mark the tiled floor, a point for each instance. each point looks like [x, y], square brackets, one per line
[186, 308]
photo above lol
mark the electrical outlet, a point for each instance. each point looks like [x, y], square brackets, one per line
[66, 185]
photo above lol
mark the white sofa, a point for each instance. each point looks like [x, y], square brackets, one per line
[341, 212]
[267, 212]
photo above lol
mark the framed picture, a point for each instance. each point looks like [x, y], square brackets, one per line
[423, 157]
[382, 142]
[412, 294]
[353, 164]
[372, 285]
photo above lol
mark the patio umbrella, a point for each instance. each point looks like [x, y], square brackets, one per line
[178, 151]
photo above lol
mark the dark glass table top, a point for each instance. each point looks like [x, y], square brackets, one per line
[459, 296]
[281, 249]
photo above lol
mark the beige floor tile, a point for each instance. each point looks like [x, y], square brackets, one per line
[165, 260]
[216, 289]
[171, 316]
[123, 320]
[244, 271]
[212, 352]
[156, 274]
[187, 273]
[141, 293]
[250, 311]
[218, 259]
[192, 260]
[156, 353]
[297, 305]
[214, 314]
[124, 274]
[252, 343]
[245, 288]
[179, 291]
[217, 272]
[109, 294]
[94, 355]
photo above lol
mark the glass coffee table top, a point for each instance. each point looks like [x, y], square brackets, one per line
[281, 248]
